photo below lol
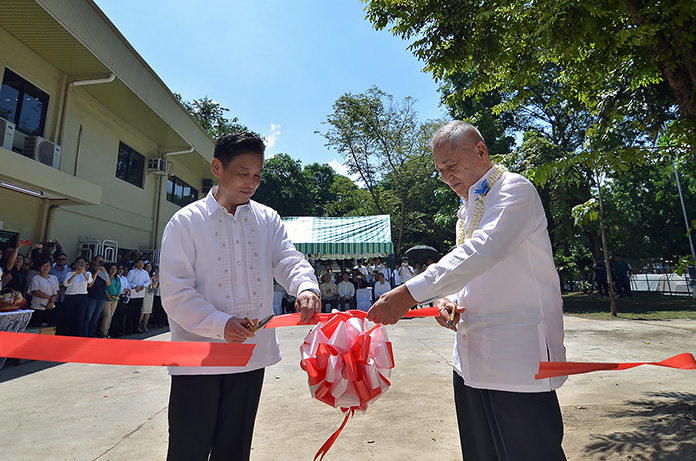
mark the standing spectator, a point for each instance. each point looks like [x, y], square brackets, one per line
[96, 296]
[119, 319]
[138, 279]
[11, 267]
[149, 298]
[361, 268]
[112, 291]
[159, 317]
[75, 304]
[61, 270]
[329, 293]
[327, 270]
[381, 287]
[600, 272]
[405, 271]
[49, 247]
[417, 269]
[18, 282]
[346, 293]
[44, 290]
[622, 273]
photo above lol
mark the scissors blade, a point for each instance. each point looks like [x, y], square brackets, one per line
[264, 322]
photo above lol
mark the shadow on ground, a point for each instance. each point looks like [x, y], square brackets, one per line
[660, 427]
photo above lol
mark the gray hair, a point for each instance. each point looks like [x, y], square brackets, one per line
[458, 133]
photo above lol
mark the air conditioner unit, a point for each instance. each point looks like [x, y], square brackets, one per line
[7, 131]
[42, 150]
[157, 166]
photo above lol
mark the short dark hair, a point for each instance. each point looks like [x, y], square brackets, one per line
[230, 145]
[40, 261]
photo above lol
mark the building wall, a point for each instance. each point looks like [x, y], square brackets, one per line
[89, 151]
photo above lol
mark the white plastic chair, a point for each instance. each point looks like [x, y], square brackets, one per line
[277, 302]
[363, 299]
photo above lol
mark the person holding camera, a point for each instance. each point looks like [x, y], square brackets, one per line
[405, 271]
[75, 303]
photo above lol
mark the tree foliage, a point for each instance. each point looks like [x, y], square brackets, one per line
[621, 59]
[211, 116]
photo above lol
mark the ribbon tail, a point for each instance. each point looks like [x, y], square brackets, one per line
[684, 361]
[329, 443]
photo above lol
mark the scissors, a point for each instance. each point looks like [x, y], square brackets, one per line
[450, 322]
[256, 326]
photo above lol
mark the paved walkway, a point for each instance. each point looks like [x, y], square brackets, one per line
[96, 412]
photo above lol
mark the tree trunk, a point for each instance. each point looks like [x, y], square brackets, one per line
[605, 246]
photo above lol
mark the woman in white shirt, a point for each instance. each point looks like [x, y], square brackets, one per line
[75, 303]
[44, 290]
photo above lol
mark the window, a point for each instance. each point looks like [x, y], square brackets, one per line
[130, 166]
[180, 193]
[23, 104]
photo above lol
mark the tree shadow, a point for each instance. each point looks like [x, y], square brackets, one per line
[665, 429]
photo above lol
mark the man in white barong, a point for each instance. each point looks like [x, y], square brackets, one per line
[499, 290]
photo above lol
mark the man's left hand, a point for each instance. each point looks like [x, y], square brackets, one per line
[391, 306]
[307, 304]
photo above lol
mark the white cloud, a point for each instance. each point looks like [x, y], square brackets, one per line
[273, 136]
[341, 169]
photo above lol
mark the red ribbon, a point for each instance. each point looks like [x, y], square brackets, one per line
[327, 445]
[551, 369]
[52, 348]
[291, 320]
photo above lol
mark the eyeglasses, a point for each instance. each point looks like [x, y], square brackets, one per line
[61, 259]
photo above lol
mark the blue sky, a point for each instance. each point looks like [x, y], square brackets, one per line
[278, 65]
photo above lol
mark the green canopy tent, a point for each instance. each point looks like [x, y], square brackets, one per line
[341, 238]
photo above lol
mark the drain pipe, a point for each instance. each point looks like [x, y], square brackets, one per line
[155, 227]
[66, 100]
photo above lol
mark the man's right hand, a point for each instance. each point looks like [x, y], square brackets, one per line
[236, 330]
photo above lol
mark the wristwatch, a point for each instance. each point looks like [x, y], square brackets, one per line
[313, 290]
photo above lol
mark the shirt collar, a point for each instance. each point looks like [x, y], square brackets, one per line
[212, 205]
[477, 187]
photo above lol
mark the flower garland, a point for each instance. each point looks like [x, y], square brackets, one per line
[466, 231]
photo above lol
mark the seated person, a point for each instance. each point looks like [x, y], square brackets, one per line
[381, 287]
[329, 293]
[346, 293]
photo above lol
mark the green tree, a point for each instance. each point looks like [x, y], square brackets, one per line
[320, 178]
[617, 57]
[211, 116]
[284, 186]
[377, 136]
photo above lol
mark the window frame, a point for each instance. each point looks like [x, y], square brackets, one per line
[130, 174]
[175, 183]
[33, 91]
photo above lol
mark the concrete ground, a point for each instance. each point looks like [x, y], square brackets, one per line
[98, 412]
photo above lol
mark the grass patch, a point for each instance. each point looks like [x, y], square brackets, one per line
[642, 306]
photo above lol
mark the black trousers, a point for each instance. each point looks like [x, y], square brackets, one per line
[133, 309]
[213, 415]
[508, 426]
[118, 321]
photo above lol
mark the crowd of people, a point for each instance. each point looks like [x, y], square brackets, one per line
[97, 298]
[339, 287]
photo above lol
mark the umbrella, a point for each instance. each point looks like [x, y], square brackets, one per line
[421, 253]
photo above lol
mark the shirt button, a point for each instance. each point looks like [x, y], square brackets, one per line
[251, 268]
[216, 233]
[224, 245]
[225, 271]
[219, 284]
[254, 293]
[234, 221]
[219, 258]
[239, 263]
[249, 242]
[220, 221]
[256, 254]
[258, 279]
[245, 219]
[463, 336]
[260, 304]
[236, 241]
[228, 296]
